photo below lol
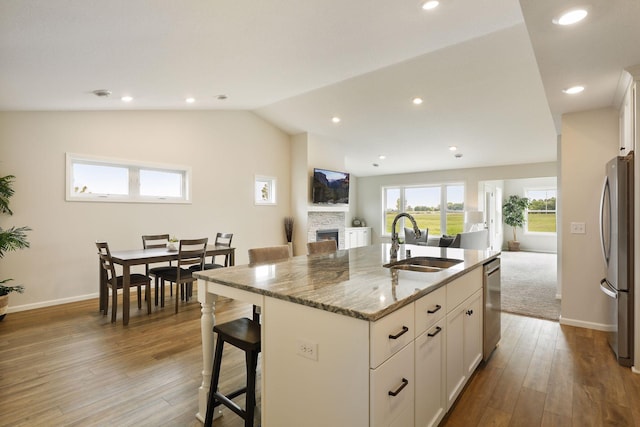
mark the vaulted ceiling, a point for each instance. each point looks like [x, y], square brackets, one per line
[490, 72]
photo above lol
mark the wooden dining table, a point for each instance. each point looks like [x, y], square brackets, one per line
[128, 258]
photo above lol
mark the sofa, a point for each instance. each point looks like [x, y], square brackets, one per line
[478, 240]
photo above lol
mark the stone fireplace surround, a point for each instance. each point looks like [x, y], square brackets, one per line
[326, 220]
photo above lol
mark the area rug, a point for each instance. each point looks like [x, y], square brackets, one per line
[529, 281]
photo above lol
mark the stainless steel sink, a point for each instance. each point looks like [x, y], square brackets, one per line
[423, 264]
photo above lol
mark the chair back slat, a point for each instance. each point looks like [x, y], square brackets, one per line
[155, 241]
[224, 239]
[192, 252]
[105, 260]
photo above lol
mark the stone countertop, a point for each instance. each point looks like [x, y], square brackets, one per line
[349, 282]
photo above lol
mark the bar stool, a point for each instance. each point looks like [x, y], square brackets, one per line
[244, 334]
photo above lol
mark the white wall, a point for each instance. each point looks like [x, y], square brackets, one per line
[589, 140]
[536, 242]
[369, 204]
[225, 150]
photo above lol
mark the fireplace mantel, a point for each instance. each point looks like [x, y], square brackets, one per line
[328, 208]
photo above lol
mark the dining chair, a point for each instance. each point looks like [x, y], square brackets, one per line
[152, 241]
[322, 247]
[190, 252]
[268, 254]
[222, 239]
[115, 282]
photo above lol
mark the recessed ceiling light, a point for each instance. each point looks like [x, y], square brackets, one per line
[417, 100]
[453, 148]
[221, 97]
[457, 155]
[190, 100]
[382, 157]
[375, 165]
[127, 98]
[570, 17]
[430, 4]
[335, 119]
[573, 90]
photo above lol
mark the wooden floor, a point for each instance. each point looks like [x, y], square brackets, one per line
[69, 366]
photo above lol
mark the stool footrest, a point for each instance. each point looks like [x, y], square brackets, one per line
[221, 398]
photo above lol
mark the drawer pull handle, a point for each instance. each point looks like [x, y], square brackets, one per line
[405, 382]
[438, 330]
[469, 312]
[438, 307]
[399, 334]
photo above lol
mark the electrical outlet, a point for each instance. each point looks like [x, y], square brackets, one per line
[307, 349]
[578, 228]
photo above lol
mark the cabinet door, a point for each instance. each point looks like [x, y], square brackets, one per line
[456, 377]
[430, 369]
[627, 121]
[392, 391]
[351, 240]
[464, 344]
[366, 237]
[473, 333]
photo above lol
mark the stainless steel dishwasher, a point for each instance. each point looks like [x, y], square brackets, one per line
[492, 307]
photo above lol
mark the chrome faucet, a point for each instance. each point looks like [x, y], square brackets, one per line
[394, 234]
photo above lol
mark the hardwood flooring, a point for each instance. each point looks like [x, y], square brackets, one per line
[69, 366]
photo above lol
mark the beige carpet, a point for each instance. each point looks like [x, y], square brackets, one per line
[529, 281]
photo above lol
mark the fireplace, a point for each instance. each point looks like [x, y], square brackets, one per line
[327, 234]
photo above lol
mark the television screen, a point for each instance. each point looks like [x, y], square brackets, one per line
[330, 187]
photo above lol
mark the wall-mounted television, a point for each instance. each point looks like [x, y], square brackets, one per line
[330, 187]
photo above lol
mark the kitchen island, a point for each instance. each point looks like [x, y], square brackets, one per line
[346, 341]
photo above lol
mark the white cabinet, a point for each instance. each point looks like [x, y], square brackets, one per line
[430, 358]
[628, 121]
[463, 331]
[356, 237]
[629, 114]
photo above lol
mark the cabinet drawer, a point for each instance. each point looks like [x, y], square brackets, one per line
[392, 390]
[429, 309]
[390, 334]
[463, 287]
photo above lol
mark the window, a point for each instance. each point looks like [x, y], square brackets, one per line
[541, 214]
[424, 204]
[109, 180]
[265, 190]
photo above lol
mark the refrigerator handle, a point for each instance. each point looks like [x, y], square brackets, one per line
[605, 188]
[607, 289]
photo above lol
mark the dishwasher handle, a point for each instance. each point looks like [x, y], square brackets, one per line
[492, 267]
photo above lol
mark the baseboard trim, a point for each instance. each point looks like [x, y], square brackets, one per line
[50, 303]
[587, 325]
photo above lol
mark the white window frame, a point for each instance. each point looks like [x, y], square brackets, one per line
[443, 202]
[271, 193]
[526, 222]
[134, 168]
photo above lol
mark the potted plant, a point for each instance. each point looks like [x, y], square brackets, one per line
[11, 239]
[513, 213]
[173, 243]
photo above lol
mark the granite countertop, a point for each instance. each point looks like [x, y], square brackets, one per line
[349, 282]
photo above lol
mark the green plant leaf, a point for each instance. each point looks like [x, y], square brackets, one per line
[13, 239]
[6, 191]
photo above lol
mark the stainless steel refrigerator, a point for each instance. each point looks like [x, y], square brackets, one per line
[616, 236]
